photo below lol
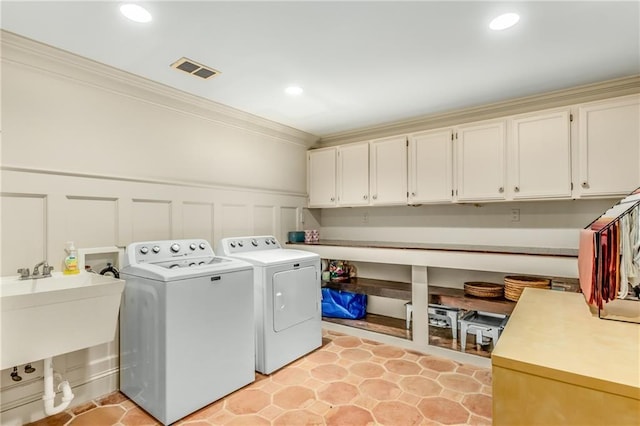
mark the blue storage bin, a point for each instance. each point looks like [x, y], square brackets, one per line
[342, 304]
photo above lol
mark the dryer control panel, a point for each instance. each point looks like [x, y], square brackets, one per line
[184, 251]
[230, 246]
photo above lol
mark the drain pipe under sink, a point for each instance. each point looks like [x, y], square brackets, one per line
[50, 394]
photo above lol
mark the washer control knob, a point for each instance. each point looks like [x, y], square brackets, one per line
[254, 242]
[267, 242]
[192, 246]
[175, 265]
[144, 250]
[240, 244]
[175, 247]
[203, 246]
[156, 249]
[232, 244]
[273, 241]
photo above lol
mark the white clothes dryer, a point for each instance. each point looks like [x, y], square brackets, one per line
[287, 299]
[186, 327]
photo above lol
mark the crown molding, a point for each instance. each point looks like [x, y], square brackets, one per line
[43, 58]
[575, 95]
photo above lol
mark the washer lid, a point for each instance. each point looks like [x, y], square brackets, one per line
[276, 257]
[163, 272]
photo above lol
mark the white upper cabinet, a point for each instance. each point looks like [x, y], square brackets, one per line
[430, 167]
[533, 156]
[480, 161]
[609, 147]
[539, 149]
[388, 171]
[353, 174]
[321, 177]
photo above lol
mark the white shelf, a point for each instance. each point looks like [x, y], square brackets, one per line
[535, 263]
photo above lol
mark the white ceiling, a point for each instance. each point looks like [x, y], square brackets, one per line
[360, 63]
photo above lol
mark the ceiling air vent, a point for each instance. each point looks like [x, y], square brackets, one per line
[194, 68]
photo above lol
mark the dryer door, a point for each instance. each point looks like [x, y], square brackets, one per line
[295, 297]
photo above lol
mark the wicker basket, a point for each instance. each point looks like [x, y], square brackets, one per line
[483, 289]
[515, 285]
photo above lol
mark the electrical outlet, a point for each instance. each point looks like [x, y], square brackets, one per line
[515, 215]
[365, 217]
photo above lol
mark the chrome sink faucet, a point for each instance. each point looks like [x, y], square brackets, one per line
[46, 271]
[24, 273]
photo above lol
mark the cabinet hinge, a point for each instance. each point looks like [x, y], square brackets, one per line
[407, 141]
[451, 135]
[570, 117]
[452, 189]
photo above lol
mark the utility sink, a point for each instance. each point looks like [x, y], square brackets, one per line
[51, 316]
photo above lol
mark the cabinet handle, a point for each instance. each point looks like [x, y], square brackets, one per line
[333, 199]
[375, 197]
[516, 189]
[585, 184]
[413, 194]
[501, 190]
[364, 197]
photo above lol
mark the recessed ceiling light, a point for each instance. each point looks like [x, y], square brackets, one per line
[294, 90]
[135, 12]
[504, 21]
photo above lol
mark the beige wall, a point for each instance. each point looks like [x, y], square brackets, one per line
[64, 113]
[540, 224]
[103, 158]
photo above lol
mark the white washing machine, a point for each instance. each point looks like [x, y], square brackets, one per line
[186, 327]
[287, 299]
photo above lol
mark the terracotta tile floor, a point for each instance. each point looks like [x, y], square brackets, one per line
[348, 381]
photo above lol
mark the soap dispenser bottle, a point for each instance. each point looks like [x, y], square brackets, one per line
[70, 266]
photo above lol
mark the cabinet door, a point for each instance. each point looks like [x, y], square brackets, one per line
[353, 174]
[430, 167]
[388, 171]
[609, 147]
[480, 161]
[321, 177]
[540, 155]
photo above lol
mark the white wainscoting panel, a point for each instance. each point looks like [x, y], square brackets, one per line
[264, 220]
[197, 221]
[151, 220]
[86, 364]
[234, 221]
[92, 221]
[24, 231]
[288, 222]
